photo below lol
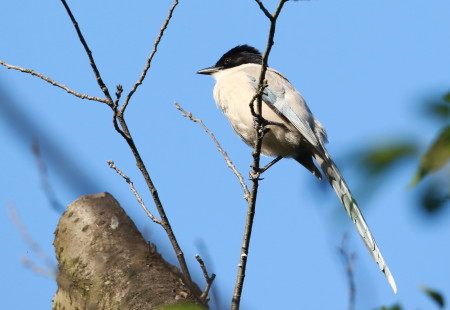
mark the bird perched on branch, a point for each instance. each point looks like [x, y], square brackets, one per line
[293, 132]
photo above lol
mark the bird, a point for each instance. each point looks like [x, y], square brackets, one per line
[294, 132]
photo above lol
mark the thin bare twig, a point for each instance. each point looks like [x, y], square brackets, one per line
[89, 54]
[219, 147]
[118, 95]
[348, 259]
[261, 83]
[133, 189]
[149, 59]
[209, 279]
[265, 11]
[49, 80]
[260, 130]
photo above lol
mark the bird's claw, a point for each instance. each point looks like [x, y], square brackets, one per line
[255, 174]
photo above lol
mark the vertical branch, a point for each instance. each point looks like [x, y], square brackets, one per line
[261, 131]
[126, 134]
[159, 206]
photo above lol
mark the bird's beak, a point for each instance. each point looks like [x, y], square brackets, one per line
[209, 70]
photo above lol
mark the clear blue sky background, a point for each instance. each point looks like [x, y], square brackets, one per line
[364, 67]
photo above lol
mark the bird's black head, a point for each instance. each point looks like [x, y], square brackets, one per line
[239, 55]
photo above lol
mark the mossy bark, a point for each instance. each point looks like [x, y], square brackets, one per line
[105, 263]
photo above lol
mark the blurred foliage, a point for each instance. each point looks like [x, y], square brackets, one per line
[435, 193]
[378, 163]
[436, 156]
[439, 109]
[437, 297]
[383, 158]
[394, 307]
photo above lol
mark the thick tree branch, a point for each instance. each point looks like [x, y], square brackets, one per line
[105, 263]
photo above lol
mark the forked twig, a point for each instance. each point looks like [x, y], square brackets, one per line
[209, 279]
[121, 126]
[219, 147]
[118, 118]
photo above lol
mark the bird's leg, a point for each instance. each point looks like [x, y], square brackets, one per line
[259, 171]
[260, 124]
[266, 123]
[273, 162]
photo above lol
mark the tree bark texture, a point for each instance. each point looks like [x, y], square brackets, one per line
[105, 263]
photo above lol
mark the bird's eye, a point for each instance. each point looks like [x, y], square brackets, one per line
[227, 61]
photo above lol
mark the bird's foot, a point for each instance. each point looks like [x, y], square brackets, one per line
[261, 124]
[255, 173]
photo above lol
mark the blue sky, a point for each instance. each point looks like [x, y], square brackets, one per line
[364, 67]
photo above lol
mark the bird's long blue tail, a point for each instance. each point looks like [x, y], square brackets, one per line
[343, 192]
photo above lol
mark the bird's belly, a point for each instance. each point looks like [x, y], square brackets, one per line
[278, 141]
[233, 96]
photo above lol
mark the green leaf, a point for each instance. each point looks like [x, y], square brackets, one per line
[437, 297]
[436, 156]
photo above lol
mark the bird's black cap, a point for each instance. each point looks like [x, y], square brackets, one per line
[239, 55]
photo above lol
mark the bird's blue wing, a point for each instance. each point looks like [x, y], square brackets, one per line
[277, 102]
